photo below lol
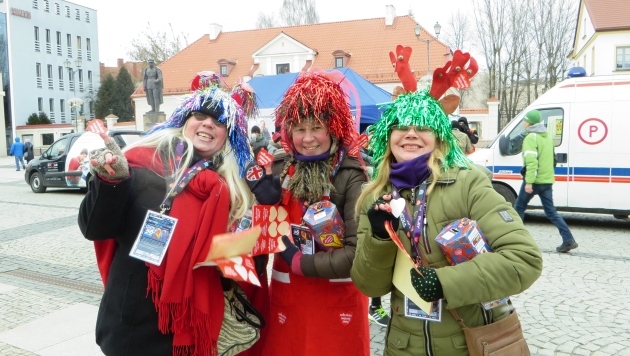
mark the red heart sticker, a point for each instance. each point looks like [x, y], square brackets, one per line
[264, 158]
[97, 126]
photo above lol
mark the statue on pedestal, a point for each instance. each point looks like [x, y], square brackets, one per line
[152, 83]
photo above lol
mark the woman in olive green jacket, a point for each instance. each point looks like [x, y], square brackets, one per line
[415, 150]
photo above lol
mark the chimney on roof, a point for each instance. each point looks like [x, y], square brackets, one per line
[215, 30]
[390, 13]
[120, 63]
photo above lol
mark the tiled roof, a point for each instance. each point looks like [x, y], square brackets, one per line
[609, 15]
[368, 41]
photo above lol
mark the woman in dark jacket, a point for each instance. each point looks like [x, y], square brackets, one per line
[315, 308]
[189, 168]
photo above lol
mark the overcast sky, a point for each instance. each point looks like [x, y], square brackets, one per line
[119, 21]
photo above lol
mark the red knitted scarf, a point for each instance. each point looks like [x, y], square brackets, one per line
[189, 302]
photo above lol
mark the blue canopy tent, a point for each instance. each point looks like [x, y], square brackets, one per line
[270, 89]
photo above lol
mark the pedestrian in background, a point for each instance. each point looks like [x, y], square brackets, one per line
[17, 151]
[257, 140]
[192, 168]
[465, 128]
[28, 151]
[539, 175]
[462, 139]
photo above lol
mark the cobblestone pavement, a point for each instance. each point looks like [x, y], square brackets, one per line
[579, 306]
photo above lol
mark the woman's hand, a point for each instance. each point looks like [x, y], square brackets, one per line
[109, 162]
[379, 213]
[427, 285]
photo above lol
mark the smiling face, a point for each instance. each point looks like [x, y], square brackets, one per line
[409, 142]
[310, 137]
[206, 133]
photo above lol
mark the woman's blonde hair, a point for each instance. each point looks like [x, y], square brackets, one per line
[374, 188]
[165, 141]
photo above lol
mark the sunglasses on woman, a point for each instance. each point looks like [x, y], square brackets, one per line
[416, 128]
[203, 117]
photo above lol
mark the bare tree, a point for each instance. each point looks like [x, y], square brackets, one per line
[458, 31]
[525, 45]
[266, 20]
[298, 12]
[156, 45]
[292, 13]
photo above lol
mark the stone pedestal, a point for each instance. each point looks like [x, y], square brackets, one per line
[151, 119]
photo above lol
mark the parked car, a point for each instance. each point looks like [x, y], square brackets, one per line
[65, 164]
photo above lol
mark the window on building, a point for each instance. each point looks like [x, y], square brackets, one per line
[48, 139]
[40, 104]
[47, 5]
[91, 107]
[69, 44]
[283, 68]
[67, 11]
[338, 62]
[38, 72]
[35, 5]
[224, 70]
[57, 9]
[62, 110]
[48, 40]
[51, 109]
[58, 43]
[80, 71]
[36, 38]
[87, 16]
[90, 88]
[50, 76]
[88, 48]
[623, 58]
[77, 14]
[60, 74]
[79, 51]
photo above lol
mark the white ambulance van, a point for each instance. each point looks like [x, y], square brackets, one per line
[589, 118]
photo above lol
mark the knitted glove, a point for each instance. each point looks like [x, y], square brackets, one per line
[378, 218]
[291, 255]
[428, 287]
[120, 167]
[266, 187]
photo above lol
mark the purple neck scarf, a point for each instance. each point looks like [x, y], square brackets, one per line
[316, 158]
[411, 173]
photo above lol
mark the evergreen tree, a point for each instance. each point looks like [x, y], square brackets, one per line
[124, 88]
[43, 118]
[107, 97]
[33, 119]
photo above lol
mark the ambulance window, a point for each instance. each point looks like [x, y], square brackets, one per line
[552, 118]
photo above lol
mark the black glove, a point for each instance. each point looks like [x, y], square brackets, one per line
[428, 287]
[288, 254]
[266, 187]
[378, 219]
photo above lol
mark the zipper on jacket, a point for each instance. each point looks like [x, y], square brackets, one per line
[428, 345]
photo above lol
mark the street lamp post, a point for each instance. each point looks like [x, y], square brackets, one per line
[418, 30]
[77, 64]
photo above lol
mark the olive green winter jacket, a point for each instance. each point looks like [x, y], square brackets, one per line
[514, 266]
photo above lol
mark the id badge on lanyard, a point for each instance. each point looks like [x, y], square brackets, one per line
[154, 238]
[158, 228]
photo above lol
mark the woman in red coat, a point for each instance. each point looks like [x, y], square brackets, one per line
[315, 307]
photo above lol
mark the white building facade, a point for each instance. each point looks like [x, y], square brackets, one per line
[52, 55]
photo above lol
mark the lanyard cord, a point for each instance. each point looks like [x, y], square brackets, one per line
[414, 228]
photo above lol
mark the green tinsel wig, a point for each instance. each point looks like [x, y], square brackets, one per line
[421, 109]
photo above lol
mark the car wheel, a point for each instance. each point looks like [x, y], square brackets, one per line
[37, 183]
[506, 192]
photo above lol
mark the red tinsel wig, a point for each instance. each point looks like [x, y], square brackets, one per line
[317, 96]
